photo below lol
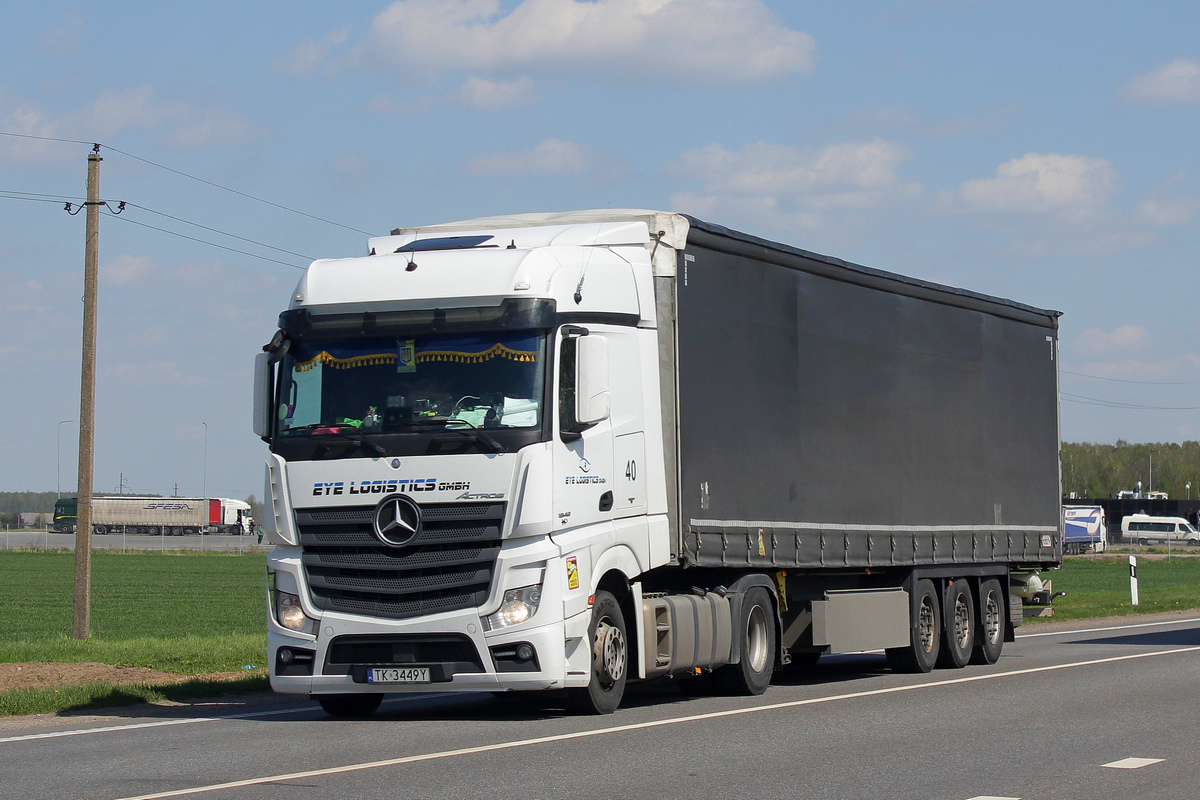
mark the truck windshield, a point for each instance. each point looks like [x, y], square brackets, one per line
[348, 386]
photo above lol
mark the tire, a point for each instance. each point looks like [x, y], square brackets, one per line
[755, 628]
[958, 616]
[1143, 543]
[989, 633]
[349, 705]
[1192, 543]
[921, 654]
[100, 530]
[610, 660]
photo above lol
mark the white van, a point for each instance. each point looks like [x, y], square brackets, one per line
[1144, 529]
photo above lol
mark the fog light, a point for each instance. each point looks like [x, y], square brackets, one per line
[517, 607]
[524, 652]
[285, 656]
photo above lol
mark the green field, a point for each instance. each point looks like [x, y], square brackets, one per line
[186, 614]
[1099, 586]
[194, 614]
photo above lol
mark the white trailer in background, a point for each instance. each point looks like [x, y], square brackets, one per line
[159, 516]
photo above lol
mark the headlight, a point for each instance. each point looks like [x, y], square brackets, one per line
[290, 614]
[517, 607]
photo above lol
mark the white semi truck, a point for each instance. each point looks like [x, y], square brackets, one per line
[570, 451]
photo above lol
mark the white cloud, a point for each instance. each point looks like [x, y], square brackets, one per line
[1165, 207]
[1174, 83]
[63, 38]
[1094, 341]
[551, 157]
[1071, 188]
[211, 127]
[127, 270]
[310, 55]
[488, 95]
[781, 180]
[709, 41]
[113, 113]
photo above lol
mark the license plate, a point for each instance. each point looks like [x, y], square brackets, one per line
[398, 675]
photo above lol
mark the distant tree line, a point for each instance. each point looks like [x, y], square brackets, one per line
[1102, 470]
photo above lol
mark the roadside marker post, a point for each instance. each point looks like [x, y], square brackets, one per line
[1133, 587]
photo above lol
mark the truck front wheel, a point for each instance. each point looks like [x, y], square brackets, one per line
[610, 659]
[756, 628]
[926, 634]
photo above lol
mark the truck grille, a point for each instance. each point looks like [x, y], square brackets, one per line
[447, 567]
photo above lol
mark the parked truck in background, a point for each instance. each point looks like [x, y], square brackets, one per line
[158, 516]
[1085, 530]
[570, 451]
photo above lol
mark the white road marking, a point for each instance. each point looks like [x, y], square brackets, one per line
[1110, 628]
[1132, 763]
[992, 797]
[189, 720]
[565, 737]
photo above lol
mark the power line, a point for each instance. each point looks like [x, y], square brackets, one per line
[1123, 380]
[202, 241]
[223, 233]
[1096, 401]
[52, 198]
[191, 177]
[235, 191]
[42, 138]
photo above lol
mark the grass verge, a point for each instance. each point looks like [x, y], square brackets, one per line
[107, 695]
[187, 614]
[1099, 586]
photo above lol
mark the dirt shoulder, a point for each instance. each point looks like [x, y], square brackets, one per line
[36, 675]
[1054, 624]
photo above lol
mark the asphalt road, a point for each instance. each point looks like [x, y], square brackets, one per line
[1058, 717]
[48, 540]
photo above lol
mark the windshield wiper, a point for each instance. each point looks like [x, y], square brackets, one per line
[344, 432]
[480, 436]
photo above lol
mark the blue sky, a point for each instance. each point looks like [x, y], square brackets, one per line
[1044, 152]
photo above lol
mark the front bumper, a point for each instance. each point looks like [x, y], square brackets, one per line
[546, 642]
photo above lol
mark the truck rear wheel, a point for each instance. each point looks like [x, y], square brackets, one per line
[755, 627]
[926, 633]
[959, 617]
[610, 659]
[989, 635]
[349, 705]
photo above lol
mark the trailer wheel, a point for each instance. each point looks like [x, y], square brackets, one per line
[922, 652]
[756, 628]
[989, 636]
[100, 530]
[349, 705]
[610, 660]
[959, 618]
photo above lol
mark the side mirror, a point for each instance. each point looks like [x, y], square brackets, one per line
[592, 398]
[262, 395]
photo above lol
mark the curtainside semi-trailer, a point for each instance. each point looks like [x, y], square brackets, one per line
[571, 451]
[158, 516]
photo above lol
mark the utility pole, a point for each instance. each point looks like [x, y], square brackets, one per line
[81, 628]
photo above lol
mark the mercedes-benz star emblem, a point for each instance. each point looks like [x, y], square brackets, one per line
[397, 520]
